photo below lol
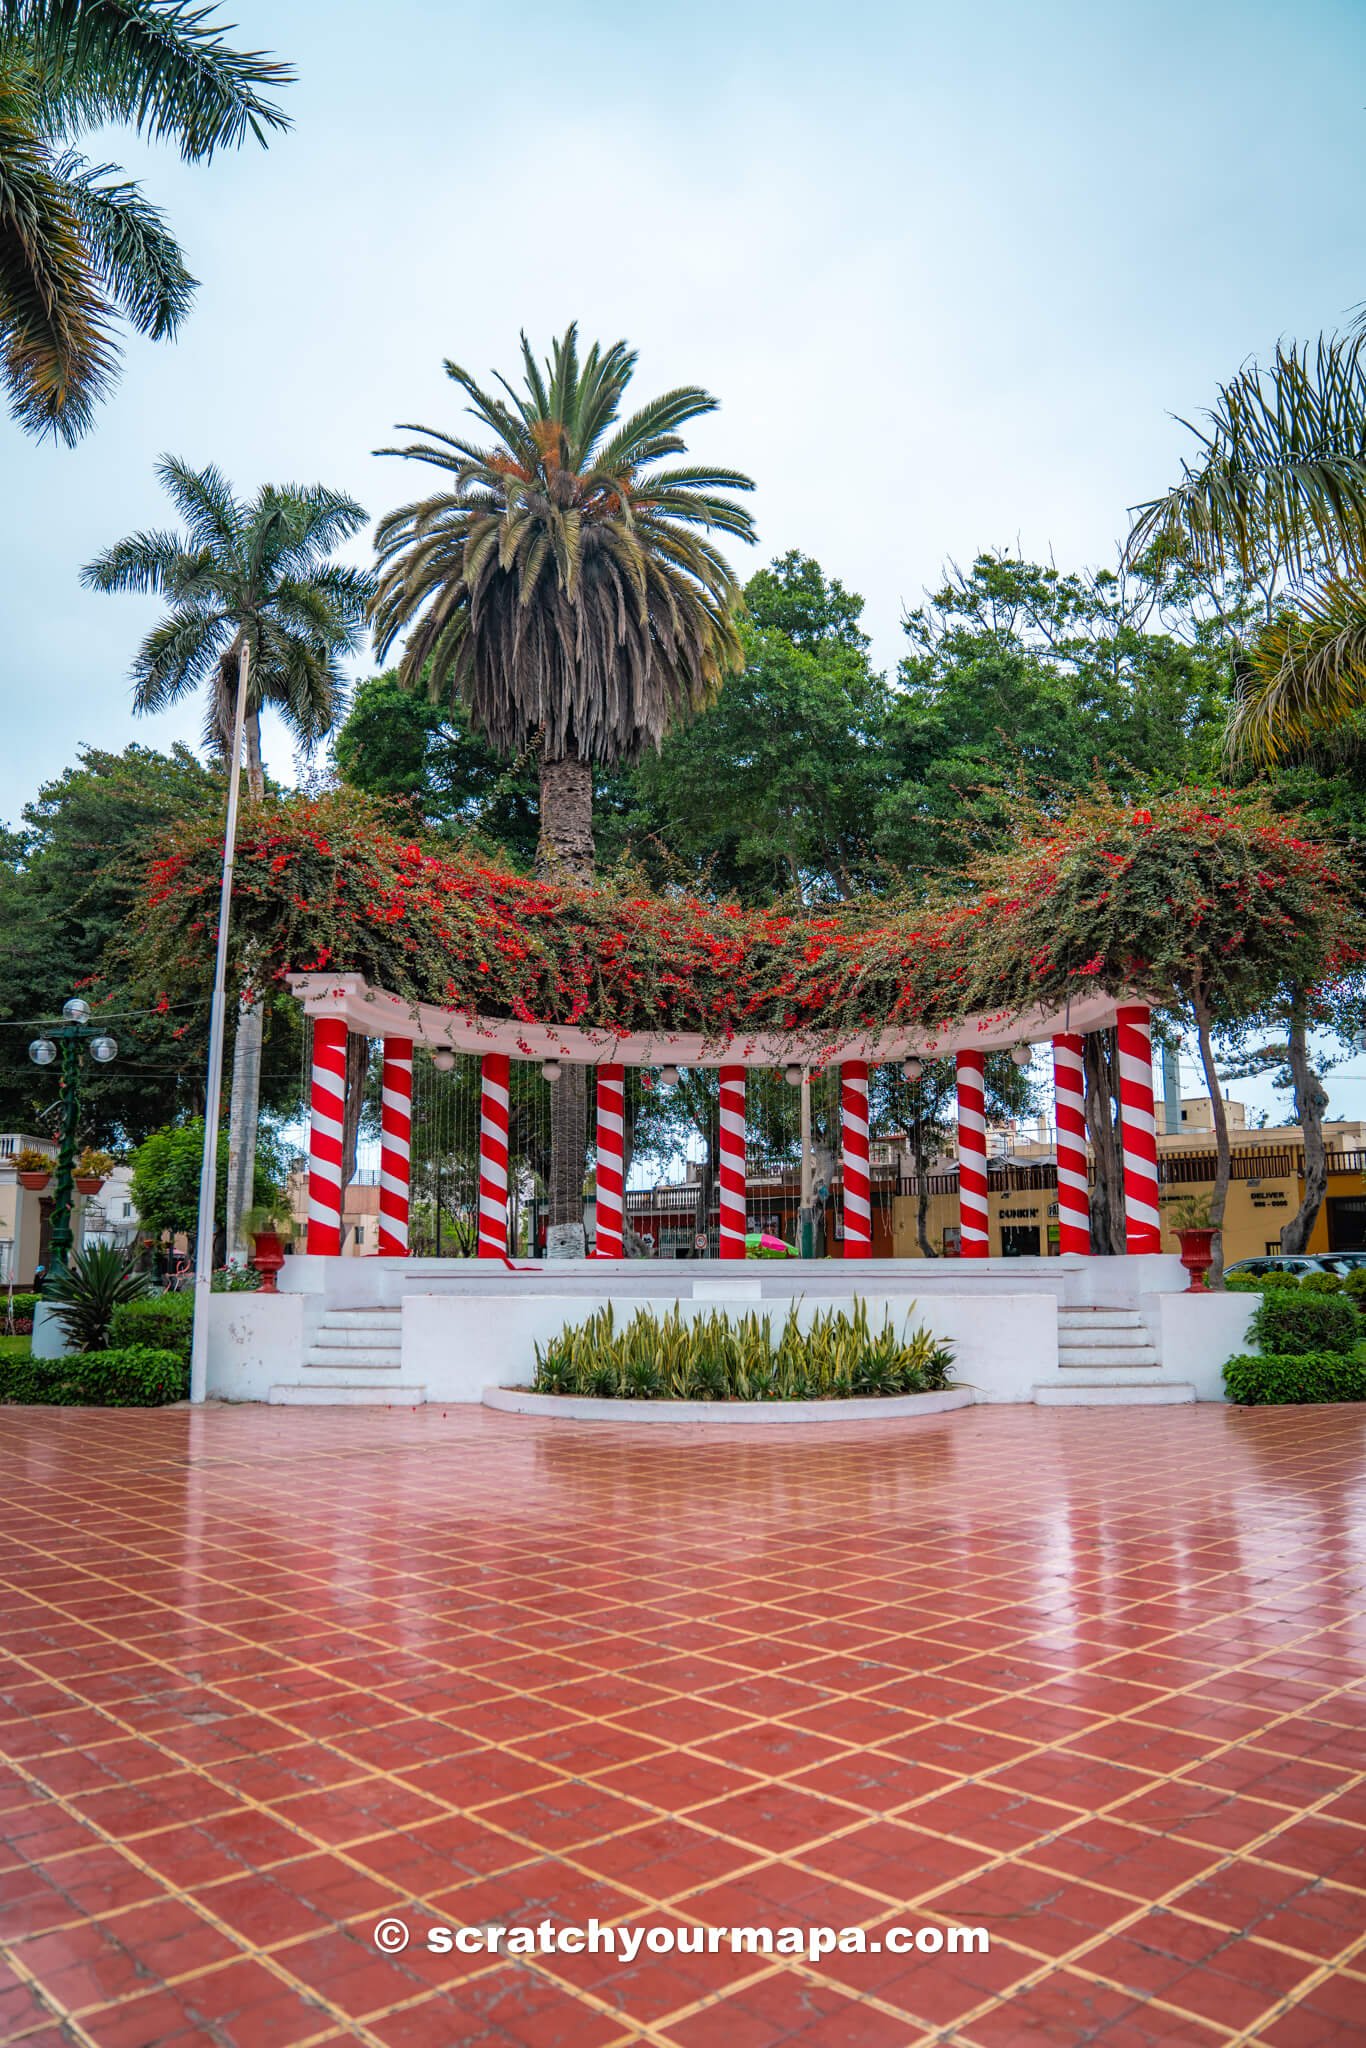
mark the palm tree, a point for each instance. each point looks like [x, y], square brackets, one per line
[564, 587]
[1279, 495]
[254, 574]
[79, 244]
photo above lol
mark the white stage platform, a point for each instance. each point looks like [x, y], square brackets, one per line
[1063, 1331]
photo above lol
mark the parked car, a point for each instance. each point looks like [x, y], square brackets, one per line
[1290, 1262]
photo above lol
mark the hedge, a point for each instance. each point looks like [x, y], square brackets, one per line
[1261, 1283]
[20, 1306]
[136, 1377]
[1285, 1323]
[164, 1323]
[1257, 1381]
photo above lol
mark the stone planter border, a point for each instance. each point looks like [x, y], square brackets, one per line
[572, 1408]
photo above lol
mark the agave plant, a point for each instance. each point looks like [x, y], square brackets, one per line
[85, 1292]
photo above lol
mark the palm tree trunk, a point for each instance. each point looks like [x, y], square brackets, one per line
[244, 1098]
[1311, 1100]
[565, 852]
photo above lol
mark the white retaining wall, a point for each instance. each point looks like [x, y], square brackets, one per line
[465, 1327]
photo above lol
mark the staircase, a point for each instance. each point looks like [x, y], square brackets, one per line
[1106, 1359]
[355, 1357]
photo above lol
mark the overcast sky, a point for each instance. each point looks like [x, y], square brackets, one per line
[948, 270]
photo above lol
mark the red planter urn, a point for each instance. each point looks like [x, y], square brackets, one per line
[89, 1183]
[1197, 1256]
[34, 1181]
[267, 1255]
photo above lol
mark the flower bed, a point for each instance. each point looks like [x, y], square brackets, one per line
[711, 1358]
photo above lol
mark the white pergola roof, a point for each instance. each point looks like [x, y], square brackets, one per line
[376, 1013]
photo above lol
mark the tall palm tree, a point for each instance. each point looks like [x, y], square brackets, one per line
[79, 244]
[564, 586]
[258, 574]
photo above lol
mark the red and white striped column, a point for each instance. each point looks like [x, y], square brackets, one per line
[974, 1216]
[609, 1241]
[495, 1076]
[327, 1103]
[858, 1186]
[1138, 1129]
[1069, 1115]
[732, 1162]
[395, 1146]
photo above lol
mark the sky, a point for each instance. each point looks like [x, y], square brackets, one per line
[949, 271]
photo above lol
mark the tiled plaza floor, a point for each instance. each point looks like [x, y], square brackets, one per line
[1093, 1680]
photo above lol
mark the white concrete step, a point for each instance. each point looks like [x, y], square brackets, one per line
[1086, 1358]
[1097, 1318]
[338, 1360]
[1107, 1333]
[1114, 1390]
[336, 1394]
[384, 1319]
[340, 1336]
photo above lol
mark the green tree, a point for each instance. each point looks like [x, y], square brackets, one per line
[396, 744]
[565, 587]
[248, 578]
[1025, 684]
[165, 1183]
[69, 880]
[776, 787]
[80, 245]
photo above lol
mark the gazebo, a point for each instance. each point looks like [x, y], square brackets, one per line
[346, 1004]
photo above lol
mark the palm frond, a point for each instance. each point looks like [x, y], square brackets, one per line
[160, 65]
[204, 500]
[143, 562]
[1281, 476]
[176, 656]
[134, 251]
[1304, 675]
[57, 355]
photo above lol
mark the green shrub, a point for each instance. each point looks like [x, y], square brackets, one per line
[85, 1292]
[1321, 1283]
[137, 1377]
[164, 1323]
[1288, 1323]
[711, 1358]
[1255, 1381]
[20, 1306]
[1355, 1283]
[1262, 1283]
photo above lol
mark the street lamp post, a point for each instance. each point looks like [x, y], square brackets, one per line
[65, 1042]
